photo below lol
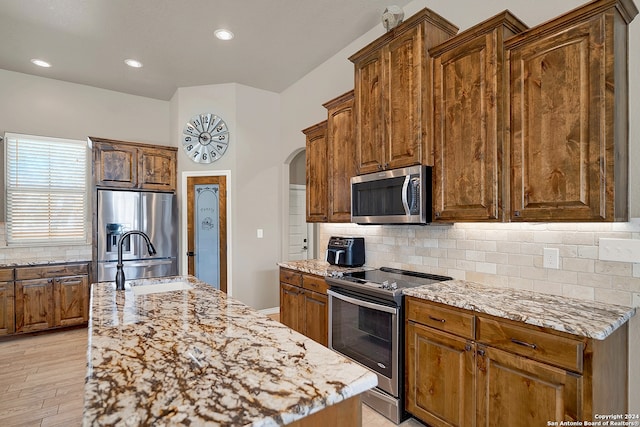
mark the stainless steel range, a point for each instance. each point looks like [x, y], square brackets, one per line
[366, 324]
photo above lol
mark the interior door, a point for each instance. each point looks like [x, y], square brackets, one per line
[207, 229]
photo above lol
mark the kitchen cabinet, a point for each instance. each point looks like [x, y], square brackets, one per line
[304, 304]
[470, 121]
[51, 296]
[569, 116]
[120, 164]
[392, 94]
[341, 152]
[317, 173]
[7, 304]
[466, 369]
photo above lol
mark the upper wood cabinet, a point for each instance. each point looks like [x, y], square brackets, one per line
[470, 91]
[341, 151]
[569, 116]
[120, 164]
[392, 94]
[317, 175]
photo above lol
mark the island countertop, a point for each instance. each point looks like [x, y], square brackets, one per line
[199, 357]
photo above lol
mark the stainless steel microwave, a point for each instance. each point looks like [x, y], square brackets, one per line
[397, 196]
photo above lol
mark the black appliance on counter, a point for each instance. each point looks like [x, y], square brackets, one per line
[346, 251]
[366, 324]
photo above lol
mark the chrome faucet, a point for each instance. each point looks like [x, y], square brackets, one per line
[119, 270]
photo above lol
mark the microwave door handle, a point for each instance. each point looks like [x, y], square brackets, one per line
[405, 198]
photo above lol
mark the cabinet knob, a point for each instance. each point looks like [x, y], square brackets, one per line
[481, 353]
[516, 213]
[467, 347]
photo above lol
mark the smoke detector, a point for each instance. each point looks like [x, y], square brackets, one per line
[392, 17]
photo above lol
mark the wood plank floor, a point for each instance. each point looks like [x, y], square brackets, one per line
[42, 379]
[42, 382]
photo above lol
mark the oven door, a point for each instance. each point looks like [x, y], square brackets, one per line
[366, 332]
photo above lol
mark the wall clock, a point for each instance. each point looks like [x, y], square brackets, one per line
[205, 138]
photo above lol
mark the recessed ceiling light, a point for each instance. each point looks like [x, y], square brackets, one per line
[223, 34]
[41, 63]
[133, 63]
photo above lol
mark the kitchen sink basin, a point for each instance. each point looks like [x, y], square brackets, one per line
[161, 287]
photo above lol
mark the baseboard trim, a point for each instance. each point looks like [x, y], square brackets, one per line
[272, 310]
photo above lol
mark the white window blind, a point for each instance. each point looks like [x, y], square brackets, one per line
[46, 190]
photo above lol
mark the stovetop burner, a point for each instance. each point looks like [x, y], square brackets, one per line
[385, 282]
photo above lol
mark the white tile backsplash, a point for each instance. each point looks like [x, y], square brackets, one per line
[506, 255]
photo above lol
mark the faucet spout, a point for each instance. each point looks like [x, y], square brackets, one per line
[119, 268]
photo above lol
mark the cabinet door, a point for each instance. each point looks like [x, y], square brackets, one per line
[317, 175]
[468, 131]
[518, 392]
[404, 70]
[7, 317]
[440, 377]
[157, 169]
[342, 158]
[316, 317]
[562, 149]
[34, 305]
[370, 137]
[71, 297]
[291, 306]
[115, 165]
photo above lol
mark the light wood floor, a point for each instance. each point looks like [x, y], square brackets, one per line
[42, 382]
[42, 379]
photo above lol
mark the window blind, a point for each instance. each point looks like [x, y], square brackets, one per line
[46, 180]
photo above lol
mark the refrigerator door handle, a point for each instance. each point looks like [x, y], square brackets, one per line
[140, 263]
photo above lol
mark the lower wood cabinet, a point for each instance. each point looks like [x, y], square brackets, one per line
[440, 377]
[51, 296]
[304, 304]
[7, 305]
[470, 369]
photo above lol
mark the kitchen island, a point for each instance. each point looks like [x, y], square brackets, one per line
[197, 357]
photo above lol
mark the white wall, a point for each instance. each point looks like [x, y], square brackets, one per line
[253, 119]
[500, 254]
[39, 106]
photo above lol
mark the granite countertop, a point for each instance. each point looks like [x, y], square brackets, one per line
[41, 263]
[319, 267]
[589, 319]
[199, 357]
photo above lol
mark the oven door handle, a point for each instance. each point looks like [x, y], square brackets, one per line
[363, 303]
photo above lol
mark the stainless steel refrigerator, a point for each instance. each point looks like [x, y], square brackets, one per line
[153, 213]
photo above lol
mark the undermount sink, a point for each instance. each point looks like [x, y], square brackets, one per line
[161, 287]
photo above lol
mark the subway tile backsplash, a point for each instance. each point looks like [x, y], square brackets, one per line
[506, 255]
[41, 254]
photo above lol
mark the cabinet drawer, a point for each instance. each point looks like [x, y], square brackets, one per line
[290, 276]
[6, 274]
[51, 271]
[315, 283]
[445, 319]
[544, 347]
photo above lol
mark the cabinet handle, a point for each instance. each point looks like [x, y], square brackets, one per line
[436, 319]
[524, 344]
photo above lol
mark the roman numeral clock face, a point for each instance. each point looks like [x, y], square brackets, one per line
[205, 138]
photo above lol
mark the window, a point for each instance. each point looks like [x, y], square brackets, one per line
[46, 190]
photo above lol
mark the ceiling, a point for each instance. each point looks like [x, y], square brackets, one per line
[276, 41]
